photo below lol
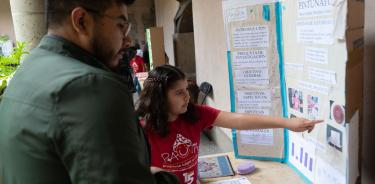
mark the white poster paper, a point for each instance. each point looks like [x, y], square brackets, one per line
[315, 31]
[302, 155]
[316, 55]
[241, 180]
[254, 58]
[294, 67]
[255, 76]
[318, 145]
[314, 87]
[258, 137]
[250, 37]
[308, 8]
[327, 76]
[261, 98]
[238, 14]
[325, 173]
[252, 110]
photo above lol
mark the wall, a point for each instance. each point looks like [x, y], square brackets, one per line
[165, 11]
[142, 16]
[6, 23]
[210, 52]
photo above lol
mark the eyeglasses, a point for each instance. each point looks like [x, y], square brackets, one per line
[122, 23]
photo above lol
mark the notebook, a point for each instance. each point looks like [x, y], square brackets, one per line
[214, 166]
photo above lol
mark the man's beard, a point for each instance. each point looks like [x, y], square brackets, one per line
[102, 52]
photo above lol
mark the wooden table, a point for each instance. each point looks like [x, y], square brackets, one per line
[266, 172]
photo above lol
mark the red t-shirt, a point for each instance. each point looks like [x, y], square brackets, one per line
[178, 151]
[137, 63]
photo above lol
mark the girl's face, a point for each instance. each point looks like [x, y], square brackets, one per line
[178, 99]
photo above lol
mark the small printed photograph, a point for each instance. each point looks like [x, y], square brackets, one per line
[337, 113]
[334, 137]
[292, 116]
[295, 99]
[312, 107]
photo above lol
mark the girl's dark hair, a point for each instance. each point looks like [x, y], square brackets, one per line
[152, 105]
[58, 10]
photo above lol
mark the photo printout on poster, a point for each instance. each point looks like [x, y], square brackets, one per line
[315, 31]
[238, 14]
[253, 58]
[250, 37]
[310, 8]
[258, 137]
[302, 155]
[258, 98]
[325, 173]
[316, 55]
[322, 75]
[255, 76]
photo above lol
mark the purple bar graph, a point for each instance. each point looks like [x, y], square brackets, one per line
[292, 149]
[303, 157]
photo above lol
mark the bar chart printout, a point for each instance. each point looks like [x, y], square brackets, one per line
[302, 156]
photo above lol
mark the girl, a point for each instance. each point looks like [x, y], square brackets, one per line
[173, 124]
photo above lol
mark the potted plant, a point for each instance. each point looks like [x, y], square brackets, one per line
[9, 64]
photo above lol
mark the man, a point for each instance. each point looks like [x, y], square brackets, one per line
[66, 117]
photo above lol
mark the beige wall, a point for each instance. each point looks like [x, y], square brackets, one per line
[210, 51]
[6, 23]
[165, 11]
[142, 16]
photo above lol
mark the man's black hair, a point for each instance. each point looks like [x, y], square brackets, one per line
[58, 10]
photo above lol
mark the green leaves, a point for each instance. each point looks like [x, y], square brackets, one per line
[9, 64]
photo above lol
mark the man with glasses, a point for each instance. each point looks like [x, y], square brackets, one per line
[66, 117]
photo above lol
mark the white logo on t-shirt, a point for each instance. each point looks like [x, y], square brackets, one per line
[182, 148]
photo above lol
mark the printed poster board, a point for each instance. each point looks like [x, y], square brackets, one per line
[254, 68]
[317, 74]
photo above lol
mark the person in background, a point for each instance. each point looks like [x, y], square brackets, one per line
[137, 63]
[66, 116]
[174, 125]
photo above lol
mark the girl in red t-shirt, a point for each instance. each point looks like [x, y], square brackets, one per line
[173, 125]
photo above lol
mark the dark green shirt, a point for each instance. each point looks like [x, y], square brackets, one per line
[66, 118]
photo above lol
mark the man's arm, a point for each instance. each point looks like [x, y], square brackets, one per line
[97, 136]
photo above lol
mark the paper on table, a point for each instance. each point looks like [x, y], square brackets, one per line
[241, 180]
[250, 37]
